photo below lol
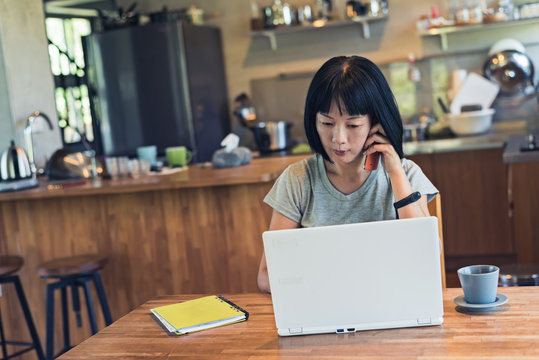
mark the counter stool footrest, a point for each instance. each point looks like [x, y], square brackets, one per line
[30, 346]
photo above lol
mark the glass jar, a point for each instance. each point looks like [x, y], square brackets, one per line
[498, 10]
[475, 10]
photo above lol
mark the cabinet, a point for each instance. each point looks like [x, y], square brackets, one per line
[273, 34]
[475, 207]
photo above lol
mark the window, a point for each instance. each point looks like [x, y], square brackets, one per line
[70, 81]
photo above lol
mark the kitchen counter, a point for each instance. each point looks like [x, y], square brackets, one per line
[263, 169]
[260, 170]
[496, 137]
[512, 153]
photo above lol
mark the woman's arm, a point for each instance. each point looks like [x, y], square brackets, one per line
[402, 188]
[278, 222]
[400, 184]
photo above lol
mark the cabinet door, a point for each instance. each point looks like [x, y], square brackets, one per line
[474, 189]
[525, 188]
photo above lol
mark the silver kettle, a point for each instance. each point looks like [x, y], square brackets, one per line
[17, 166]
[14, 164]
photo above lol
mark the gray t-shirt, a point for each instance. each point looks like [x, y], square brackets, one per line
[303, 193]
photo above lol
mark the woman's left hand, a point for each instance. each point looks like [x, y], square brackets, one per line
[377, 141]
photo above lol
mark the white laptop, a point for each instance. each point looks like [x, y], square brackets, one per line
[347, 278]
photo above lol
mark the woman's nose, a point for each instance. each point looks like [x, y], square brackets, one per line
[339, 135]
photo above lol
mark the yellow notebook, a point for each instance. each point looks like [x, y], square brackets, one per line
[199, 314]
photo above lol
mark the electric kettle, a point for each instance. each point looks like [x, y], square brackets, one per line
[14, 164]
[17, 168]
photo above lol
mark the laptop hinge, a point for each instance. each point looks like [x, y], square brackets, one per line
[424, 321]
[295, 330]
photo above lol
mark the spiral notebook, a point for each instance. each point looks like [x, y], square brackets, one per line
[199, 314]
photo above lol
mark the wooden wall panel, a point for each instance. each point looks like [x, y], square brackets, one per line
[197, 240]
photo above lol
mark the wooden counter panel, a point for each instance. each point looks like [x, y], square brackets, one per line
[474, 187]
[477, 226]
[197, 240]
[260, 170]
[476, 210]
[525, 201]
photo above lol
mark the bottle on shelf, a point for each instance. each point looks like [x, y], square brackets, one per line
[384, 7]
[374, 9]
[256, 18]
[414, 74]
[278, 17]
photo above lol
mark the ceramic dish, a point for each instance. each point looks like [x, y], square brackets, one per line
[500, 300]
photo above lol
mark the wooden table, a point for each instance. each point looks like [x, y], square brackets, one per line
[511, 332]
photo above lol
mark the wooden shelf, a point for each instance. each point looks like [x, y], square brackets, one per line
[443, 32]
[272, 34]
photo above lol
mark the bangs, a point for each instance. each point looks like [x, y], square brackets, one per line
[349, 89]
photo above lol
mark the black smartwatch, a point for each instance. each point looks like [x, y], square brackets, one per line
[412, 198]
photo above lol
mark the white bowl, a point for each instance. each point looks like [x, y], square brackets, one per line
[471, 122]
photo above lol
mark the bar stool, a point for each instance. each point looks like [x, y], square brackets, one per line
[519, 275]
[10, 264]
[73, 272]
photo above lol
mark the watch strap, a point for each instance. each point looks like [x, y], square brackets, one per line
[412, 198]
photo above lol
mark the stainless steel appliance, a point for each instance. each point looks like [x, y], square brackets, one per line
[17, 168]
[269, 136]
[272, 135]
[159, 84]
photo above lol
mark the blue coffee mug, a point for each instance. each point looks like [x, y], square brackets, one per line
[479, 283]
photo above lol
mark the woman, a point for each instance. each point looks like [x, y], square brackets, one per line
[350, 113]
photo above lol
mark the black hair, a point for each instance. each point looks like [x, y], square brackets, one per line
[359, 85]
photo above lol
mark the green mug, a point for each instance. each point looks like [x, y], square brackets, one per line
[178, 156]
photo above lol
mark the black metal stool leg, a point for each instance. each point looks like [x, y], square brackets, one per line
[102, 298]
[76, 301]
[3, 339]
[28, 316]
[65, 318]
[50, 321]
[89, 305]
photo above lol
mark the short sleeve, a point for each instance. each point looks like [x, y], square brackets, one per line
[419, 180]
[286, 195]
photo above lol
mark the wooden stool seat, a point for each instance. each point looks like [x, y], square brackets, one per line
[10, 264]
[72, 265]
[72, 273]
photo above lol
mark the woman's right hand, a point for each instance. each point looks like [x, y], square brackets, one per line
[278, 222]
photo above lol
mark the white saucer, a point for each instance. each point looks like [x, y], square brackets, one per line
[500, 300]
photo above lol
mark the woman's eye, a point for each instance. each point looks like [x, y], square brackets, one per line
[353, 126]
[327, 123]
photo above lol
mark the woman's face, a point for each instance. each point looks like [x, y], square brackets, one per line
[342, 135]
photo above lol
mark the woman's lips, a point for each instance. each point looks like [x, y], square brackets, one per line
[339, 152]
